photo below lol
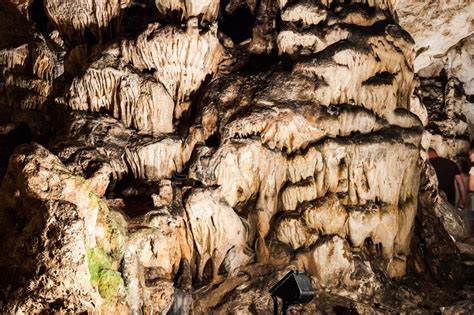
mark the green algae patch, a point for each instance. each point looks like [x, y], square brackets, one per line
[108, 281]
[110, 284]
[97, 260]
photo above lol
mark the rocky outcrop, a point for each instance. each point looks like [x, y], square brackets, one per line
[55, 267]
[77, 242]
[194, 164]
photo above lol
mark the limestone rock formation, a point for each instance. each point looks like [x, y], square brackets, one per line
[219, 234]
[119, 82]
[436, 26]
[443, 34]
[459, 63]
[445, 102]
[76, 242]
[187, 154]
[95, 146]
[83, 20]
[28, 64]
[208, 9]
[56, 264]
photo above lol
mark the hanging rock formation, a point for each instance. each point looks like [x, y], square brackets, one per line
[84, 20]
[145, 82]
[188, 161]
[28, 64]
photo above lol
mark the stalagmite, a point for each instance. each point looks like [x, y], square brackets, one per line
[329, 261]
[219, 234]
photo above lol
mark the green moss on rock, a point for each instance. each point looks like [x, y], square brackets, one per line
[108, 281]
[97, 260]
[110, 284]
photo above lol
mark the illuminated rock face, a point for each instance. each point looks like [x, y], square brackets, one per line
[436, 27]
[278, 135]
[182, 172]
[179, 61]
[81, 20]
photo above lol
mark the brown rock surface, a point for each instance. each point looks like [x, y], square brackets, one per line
[201, 149]
[86, 20]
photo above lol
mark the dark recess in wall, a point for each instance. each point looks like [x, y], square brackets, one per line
[39, 17]
[237, 24]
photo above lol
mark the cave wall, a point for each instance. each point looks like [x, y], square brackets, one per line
[182, 165]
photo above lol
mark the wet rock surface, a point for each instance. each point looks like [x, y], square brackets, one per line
[156, 159]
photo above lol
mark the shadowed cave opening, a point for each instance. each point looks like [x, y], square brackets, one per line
[39, 16]
[236, 23]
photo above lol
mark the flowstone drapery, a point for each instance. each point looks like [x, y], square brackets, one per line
[184, 165]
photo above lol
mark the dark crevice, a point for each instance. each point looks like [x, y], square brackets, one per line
[39, 17]
[237, 23]
[381, 78]
[138, 16]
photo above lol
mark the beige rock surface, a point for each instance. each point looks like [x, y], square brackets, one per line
[151, 102]
[77, 240]
[208, 9]
[86, 20]
[329, 261]
[198, 162]
[59, 275]
[459, 62]
[219, 234]
[436, 26]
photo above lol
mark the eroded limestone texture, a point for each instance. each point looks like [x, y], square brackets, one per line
[436, 26]
[74, 242]
[186, 165]
[445, 102]
[147, 82]
[86, 20]
[28, 64]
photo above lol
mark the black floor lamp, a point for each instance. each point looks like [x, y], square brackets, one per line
[294, 288]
